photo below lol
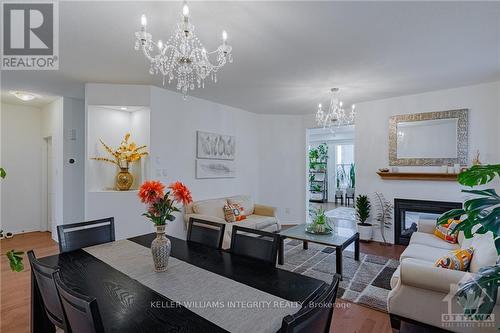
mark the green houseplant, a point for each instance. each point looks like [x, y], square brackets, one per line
[352, 176]
[320, 222]
[479, 216]
[313, 158]
[323, 152]
[339, 179]
[15, 257]
[363, 207]
[352, 181]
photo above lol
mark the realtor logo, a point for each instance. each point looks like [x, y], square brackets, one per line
[30, 35]
[473, 301]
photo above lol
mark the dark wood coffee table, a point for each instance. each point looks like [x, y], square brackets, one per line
[340, 239]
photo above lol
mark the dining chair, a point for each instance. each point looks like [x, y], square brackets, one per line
[44, 280]
[80, 311]
[205, 232]
[315, 315]
[257, 244]
[78, 235]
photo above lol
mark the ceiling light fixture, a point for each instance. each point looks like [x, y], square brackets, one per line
[24, 96]
[183, 56]
[123, 108]
[336, 115]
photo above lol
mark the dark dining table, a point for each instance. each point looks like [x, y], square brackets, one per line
[126, 305]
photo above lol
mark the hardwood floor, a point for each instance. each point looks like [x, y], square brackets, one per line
[15, 289]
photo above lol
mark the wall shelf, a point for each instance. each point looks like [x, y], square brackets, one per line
[417, 176]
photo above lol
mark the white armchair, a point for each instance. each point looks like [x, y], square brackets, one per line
[425, 294]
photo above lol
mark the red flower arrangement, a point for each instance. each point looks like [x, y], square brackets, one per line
[161, 205]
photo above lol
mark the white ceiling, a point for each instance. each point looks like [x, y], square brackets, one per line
[39, 101]
[287, 55]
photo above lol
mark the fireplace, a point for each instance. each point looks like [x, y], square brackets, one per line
[407, 212]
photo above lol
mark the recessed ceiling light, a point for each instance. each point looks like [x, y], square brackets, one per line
[123, 108]
[24, 96]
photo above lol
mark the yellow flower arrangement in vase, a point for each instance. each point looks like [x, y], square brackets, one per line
[126, 153]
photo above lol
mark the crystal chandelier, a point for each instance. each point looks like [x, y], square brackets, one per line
[183, 57]
[336, 115]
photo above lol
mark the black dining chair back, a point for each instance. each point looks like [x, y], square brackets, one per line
[47, 287]
[78, 235]
[81, 311]
[257, 244]
[315, 315]
[205, 232]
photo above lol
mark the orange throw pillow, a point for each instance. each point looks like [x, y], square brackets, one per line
[458, 260]
[234, 213]
[444, 231]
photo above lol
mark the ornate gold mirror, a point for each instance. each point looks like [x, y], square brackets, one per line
[430, 138]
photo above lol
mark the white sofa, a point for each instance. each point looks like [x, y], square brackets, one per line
[421, 292]
[259, 217]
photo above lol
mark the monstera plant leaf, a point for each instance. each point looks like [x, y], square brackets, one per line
[15, 260]
[483, 210]
[451, 214]
[479, 175]
[2, 173]
[479, 294]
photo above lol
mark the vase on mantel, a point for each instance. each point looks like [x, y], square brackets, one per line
[160, 248]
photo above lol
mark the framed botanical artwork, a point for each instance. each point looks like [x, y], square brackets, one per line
[215, 169]
[215, 146]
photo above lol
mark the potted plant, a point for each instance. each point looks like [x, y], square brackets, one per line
[320, 222]
[340, 180]
[352, 182]
[313, 158]
[316, 188]
[479, 215]
[322, 156]
[363, 212]
[161, 207]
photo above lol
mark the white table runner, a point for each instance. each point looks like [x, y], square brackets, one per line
[229, 304]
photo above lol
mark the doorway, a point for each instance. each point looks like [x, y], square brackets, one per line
[47, 186]
[336, 188]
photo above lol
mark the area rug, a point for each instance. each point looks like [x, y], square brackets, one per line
[365, 282]
[347, 213]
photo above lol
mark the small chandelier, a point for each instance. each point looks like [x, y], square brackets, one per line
[183, 57]
[336, 115]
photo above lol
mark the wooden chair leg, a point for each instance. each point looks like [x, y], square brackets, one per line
[395, 323]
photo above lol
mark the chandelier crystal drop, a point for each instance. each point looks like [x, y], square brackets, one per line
[336, 115]
[182, 58]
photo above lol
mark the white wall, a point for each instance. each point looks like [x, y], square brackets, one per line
[172, 145]
[73, 148]
[111, 126]
[63, 121]
[21, 150]
[282, 166]
[52, 126]
[174, 123]
[371, 142]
